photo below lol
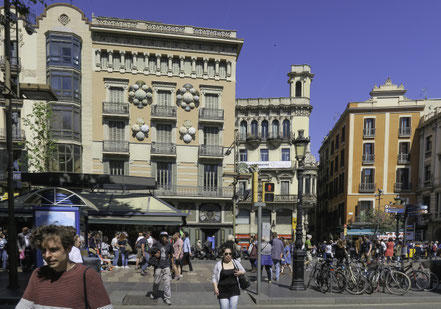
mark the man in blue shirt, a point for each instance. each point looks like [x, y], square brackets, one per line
[276, 254]
[187, 251]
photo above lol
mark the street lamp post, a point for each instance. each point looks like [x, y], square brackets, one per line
[298, 280]
[227, 153]
[377, 217]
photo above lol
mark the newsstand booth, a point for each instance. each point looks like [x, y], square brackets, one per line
[54, 205]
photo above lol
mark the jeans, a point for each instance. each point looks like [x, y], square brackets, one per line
[115, 257]
[146, 262]
[277, 268]
[162, 276]
[125, 258]
[4, 257]
[229, 303]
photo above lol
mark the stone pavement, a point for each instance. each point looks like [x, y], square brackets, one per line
[127, 289]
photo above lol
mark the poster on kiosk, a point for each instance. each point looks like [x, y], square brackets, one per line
[58, 215]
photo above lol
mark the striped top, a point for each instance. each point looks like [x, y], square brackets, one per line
[65, 292]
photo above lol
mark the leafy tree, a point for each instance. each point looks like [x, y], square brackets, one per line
[381, 221]
[40, 145]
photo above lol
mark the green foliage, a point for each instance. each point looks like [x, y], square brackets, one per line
[381, 220]
[24, 6]
[41, 146]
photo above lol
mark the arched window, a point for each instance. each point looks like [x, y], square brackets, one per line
[286, 128]
[283, 216]
[254, 128]
[266, 216]
[243, 129]
[243, 217]
[275, 128]
[264, 129]
[298, 89]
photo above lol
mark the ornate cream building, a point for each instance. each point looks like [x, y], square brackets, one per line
[266, 128]
[141, 98]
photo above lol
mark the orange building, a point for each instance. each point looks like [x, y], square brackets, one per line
[368, 158]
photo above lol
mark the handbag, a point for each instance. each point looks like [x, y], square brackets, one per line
[22, 255]
[128, 247]
[86, 302]
[244, 283]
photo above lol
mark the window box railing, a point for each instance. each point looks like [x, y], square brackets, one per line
[253, 137]
[210, 150]
[403, 158]
[211, 114]
[274, 136]
[404, 131]
[15, 63]
[361, 219]
[368, 158]
[17, 135]
[115, 108]
[163, 111]
[116, 146]
[427, 183]
[369, 132]
[194, 191]
[367, 187]
[163, 148]
[402, 186]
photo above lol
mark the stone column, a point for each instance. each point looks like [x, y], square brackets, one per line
[229, 70]
[216, 72]
[181, 66]
[193, 67]
[134, 62]
[170, 65]
[123, 60]
[158, 64]
[205, 68]
[110, 64]
[146, 63]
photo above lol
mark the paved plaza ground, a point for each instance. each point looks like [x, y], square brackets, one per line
[128, 289]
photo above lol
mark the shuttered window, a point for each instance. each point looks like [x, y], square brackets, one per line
[211, 136]
[129, 61]
[211, 68]
[152, 64]
[164, 65]
[116, 167]
[104, 59]
[163, 133]
[210, 177]
[164, 98]
[116, 130]
[116, 94]
[222, 69]
[199, 67]
[164, 174]
[187, 66]
[211, 101]
[175, 65]
[116, 61]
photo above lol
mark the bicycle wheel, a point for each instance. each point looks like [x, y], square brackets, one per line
[433, 282]
[418, 280]
[324, 281]
[313, 276]
[374, 279]
[397, 282]
[356, 283]
[338, 281]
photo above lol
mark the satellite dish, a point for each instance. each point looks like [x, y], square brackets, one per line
[243, 168]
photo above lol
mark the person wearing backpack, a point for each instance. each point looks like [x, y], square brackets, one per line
[252, 249]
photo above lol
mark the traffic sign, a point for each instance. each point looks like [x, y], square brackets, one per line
[394, 210]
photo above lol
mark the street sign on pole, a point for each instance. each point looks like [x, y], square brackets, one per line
[394, 210]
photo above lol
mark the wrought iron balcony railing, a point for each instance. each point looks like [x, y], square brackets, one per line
[403, 158]
[402, 186]
[116, 146]
[369, 132]
[210, 150]
[211, 114]
[163, 148]
[367, 187]
[404, 131]
[114, 108]
[17, 135]
[368, 158]
[195, 191]
[163, 111]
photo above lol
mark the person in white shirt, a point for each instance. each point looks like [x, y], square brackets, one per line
[115, 248]
[75, 253]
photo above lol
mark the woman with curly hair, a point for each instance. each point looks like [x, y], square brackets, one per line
[61, 283]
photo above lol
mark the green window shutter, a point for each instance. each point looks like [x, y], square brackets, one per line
[200, 175]
[126, 168]
[106, 167]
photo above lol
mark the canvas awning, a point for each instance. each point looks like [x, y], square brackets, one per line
[360, 232]
[133, 209]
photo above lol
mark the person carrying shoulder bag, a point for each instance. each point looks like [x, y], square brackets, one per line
[226, 280]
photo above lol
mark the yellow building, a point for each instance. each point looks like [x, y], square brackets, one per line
[367, 159]
[145, 99]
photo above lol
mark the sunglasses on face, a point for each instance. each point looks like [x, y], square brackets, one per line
[228, 253]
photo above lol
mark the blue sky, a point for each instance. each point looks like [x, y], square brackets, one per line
[351, 45]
